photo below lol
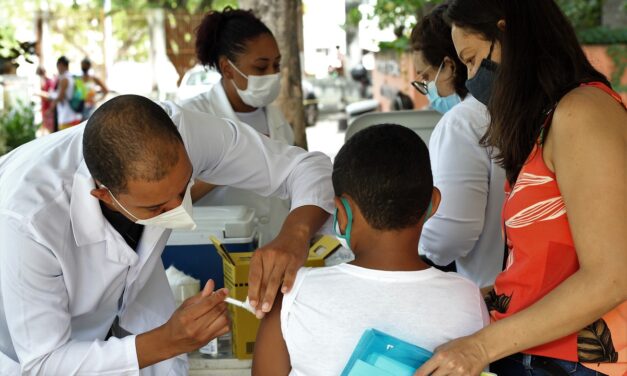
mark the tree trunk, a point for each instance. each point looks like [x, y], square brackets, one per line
[284, 18]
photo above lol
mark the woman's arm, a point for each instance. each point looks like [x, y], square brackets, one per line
[586, 148]
[103, 88]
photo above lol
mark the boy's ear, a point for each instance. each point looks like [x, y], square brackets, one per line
[342, 217]
[436, 196]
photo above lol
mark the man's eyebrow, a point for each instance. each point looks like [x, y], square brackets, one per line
[163, 203]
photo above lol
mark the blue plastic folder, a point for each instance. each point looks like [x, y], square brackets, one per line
[379, 354]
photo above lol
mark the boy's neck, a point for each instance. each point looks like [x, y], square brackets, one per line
[390, 251]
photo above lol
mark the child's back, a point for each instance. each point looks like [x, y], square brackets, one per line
[325, 314]
[384, 193]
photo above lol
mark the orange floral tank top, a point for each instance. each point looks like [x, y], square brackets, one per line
[541, 255]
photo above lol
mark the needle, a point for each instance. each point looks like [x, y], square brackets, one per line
[245, 305]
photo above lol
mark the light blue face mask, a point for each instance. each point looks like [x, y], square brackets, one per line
[345, 239]
[438, 103]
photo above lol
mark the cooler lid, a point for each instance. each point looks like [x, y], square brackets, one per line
[234, 221]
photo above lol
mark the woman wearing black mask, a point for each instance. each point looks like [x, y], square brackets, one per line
[559, 307]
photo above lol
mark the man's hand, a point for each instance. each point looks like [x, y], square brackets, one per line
[277, 262]
[465, 356]
[272, 266]
[198, 320]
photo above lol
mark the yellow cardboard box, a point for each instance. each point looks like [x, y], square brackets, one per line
[236, 265]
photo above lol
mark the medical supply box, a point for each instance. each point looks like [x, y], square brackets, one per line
[193, 253]
[236, 265]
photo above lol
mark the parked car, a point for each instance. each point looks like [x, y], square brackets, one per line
[200, 79]
[197, 81]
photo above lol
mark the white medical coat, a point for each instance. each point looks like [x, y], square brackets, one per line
[467, 225]
[66, 274]
[270, 211]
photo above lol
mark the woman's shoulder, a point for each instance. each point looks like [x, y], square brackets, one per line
[588, 106]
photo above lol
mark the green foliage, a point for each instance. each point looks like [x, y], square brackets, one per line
[618, 54]
[17, 126]
[353, 16]
[583, 14]
[603, 35]
[11, 48]
[401, 15]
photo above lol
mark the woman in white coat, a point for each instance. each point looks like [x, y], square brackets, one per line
[244, 51]
[467, 228]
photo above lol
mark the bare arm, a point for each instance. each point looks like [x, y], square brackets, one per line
[60, 97]
[586, 148]
[200, 189]
[103, 88]
[271, 357]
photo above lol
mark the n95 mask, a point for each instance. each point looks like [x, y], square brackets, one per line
[177, 218]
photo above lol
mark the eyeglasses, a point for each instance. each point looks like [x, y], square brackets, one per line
[421, 86]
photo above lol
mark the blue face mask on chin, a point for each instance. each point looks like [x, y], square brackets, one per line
[438, 103]
[345, 239]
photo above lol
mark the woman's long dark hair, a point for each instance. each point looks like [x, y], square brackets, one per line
[541, 61]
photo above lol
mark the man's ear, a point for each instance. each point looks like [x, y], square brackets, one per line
[103, 195]
[342, 217]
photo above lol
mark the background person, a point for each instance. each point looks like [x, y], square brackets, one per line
[95, 89]
[46, 85]
[559, 306]
[61, 96]
[241, 47]
[467, 227]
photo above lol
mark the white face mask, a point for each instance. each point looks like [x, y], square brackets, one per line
[177, 218]
[261, 90]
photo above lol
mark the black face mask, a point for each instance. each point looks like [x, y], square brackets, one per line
[480, 86]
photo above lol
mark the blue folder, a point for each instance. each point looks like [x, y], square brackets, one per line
[379, 354]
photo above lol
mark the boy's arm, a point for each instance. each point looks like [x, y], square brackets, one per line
[270, 357]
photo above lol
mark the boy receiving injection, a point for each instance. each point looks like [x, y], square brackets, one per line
[384, 194]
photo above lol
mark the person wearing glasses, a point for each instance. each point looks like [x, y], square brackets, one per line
[467, 228]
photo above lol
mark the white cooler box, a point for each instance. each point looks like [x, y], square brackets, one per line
[193, 253]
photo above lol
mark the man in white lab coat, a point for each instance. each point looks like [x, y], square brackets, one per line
[85, 214]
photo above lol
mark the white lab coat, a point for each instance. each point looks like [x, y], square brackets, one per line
[269, 211]
[467, 225]
[66, 274]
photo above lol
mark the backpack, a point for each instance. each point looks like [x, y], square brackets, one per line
[77, 102]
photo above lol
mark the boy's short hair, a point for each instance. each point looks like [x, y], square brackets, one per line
[385, 169]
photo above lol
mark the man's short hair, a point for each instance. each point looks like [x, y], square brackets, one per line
[130, 138]
[385, 169]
